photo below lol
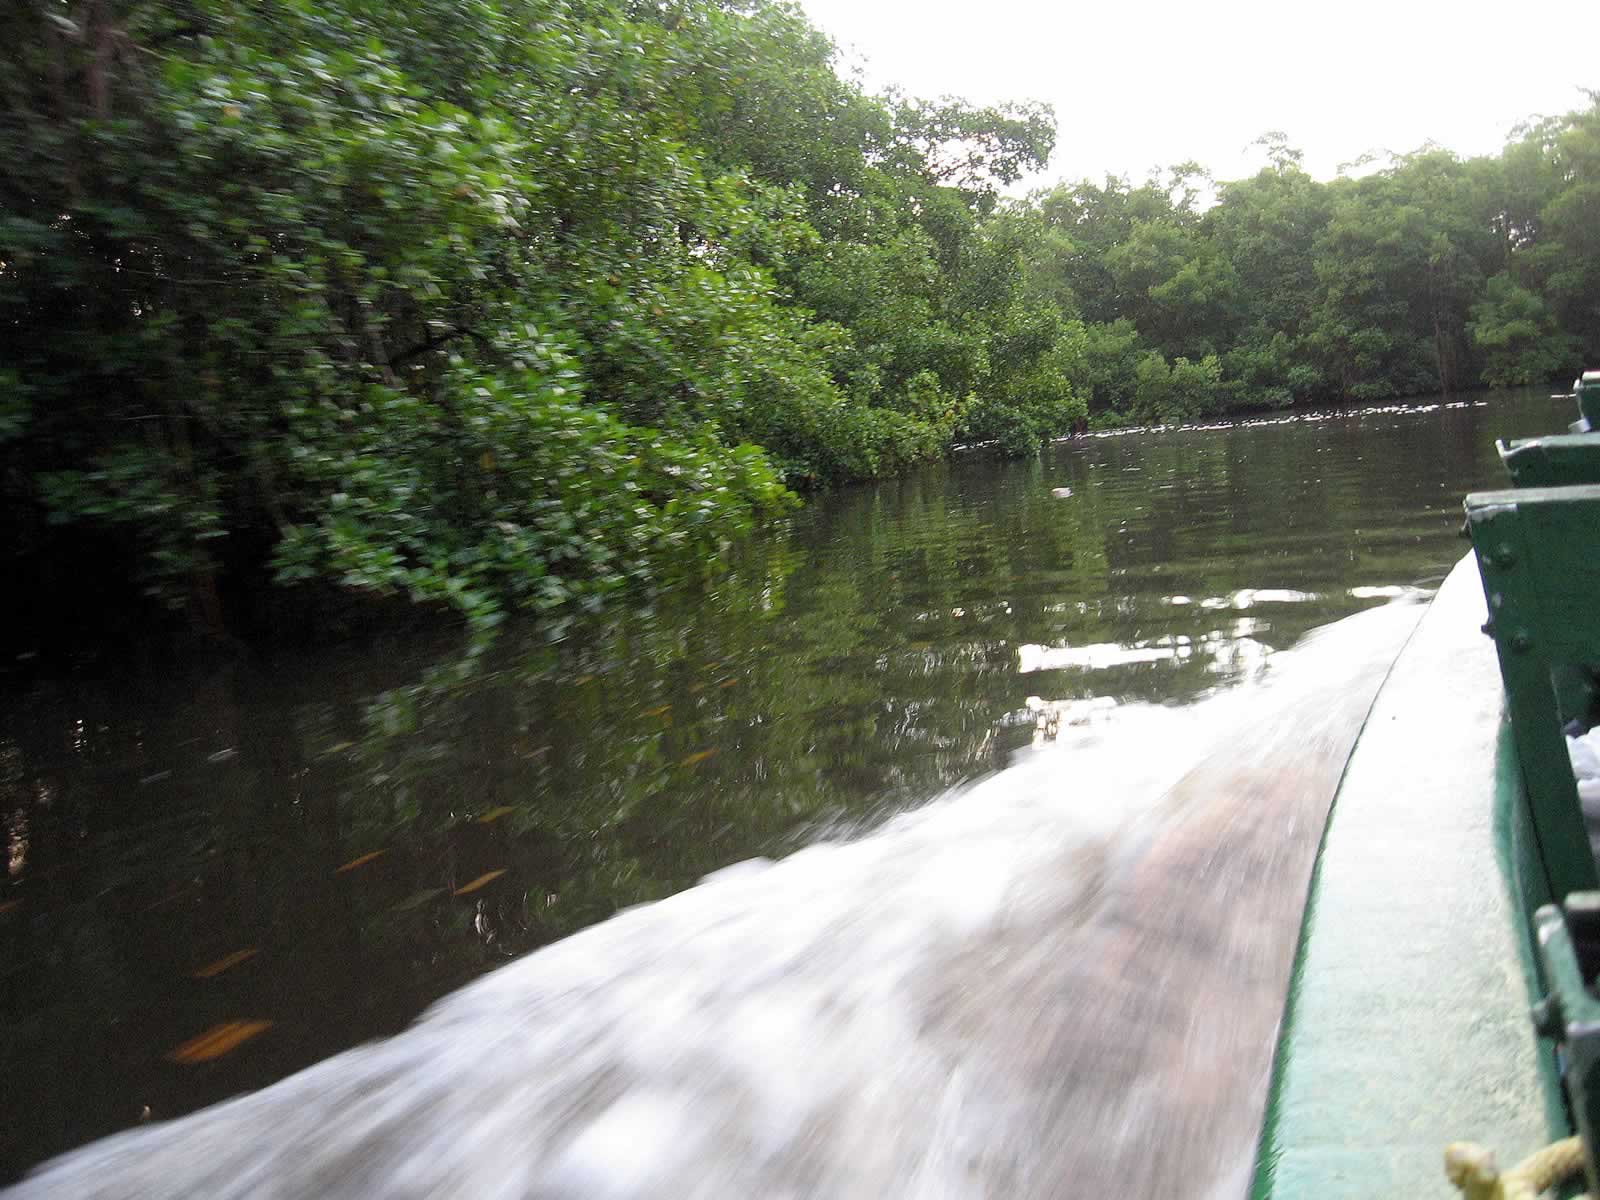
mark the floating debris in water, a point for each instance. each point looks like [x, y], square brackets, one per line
[226, 961]
[494, 814]
[217, 1041]
[659, 710]
[483, 880]
[362, 861]
[699, 756]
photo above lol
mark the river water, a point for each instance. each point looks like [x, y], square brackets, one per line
[1044, 772]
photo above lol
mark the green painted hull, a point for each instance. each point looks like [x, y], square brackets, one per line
[1406, 1026]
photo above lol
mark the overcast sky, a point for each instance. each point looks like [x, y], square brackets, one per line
[1137, 83]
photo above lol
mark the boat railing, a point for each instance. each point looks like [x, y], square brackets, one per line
[1536, 554]
[1538, 551]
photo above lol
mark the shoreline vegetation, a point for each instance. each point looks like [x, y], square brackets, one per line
[522, 304]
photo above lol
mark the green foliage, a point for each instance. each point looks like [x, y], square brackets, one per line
[1106, 373]
[518, 303]
[1518, 334]
[511, 305]
[1565, 252]
[1031, 398]
[1433, 273]
[534, 496]
[1172, 394]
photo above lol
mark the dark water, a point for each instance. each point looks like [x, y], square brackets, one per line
[190, 846]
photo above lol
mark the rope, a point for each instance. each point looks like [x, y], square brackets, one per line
[1471, 1168]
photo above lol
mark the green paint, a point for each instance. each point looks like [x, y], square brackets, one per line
[1401, 1033]
[1533, 549]
[1383, 1040]
[1517, 856]
[1589, 400]
[1559, 461]
[1569, 1013]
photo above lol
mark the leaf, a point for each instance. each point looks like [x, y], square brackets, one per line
[483, 880]
[699, 756]
[217, 1041]
[228, 960]
[494, 814]
[360, 862]
[418, 899]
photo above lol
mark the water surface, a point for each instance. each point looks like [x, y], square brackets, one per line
[317, 846]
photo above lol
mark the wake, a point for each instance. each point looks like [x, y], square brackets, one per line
[1064, 978]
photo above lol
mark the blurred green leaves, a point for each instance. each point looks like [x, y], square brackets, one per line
[522, 303]
[511, 303]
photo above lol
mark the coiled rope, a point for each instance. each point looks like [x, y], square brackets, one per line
[1471, 1168]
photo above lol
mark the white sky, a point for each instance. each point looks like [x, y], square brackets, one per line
[1141, 83]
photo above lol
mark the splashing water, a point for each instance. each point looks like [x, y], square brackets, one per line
[1066, 976]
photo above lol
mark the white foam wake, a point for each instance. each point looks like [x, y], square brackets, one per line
[1070, 970]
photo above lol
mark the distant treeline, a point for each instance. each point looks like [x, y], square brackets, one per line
[515, 303]
[1431, 274]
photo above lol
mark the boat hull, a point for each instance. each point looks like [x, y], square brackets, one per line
[1406, 1025]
